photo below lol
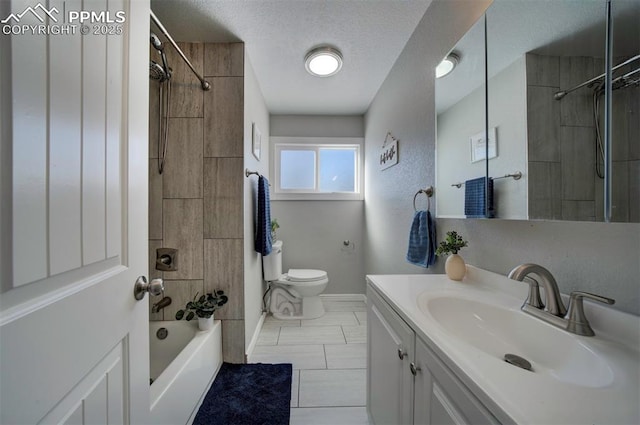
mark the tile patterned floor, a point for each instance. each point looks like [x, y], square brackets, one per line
[329, 363]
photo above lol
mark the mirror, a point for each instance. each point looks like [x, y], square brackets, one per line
[535, 50]
[460, 108]
[625, 113]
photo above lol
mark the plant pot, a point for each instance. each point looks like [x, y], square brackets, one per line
[455, 267]
[205, 323]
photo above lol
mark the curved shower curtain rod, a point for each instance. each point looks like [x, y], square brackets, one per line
[559, 95]
[205, 85]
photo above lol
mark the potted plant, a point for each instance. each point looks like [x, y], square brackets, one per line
[203, 307]
[454, 266]
[274, 226]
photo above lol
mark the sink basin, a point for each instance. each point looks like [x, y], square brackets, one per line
[497, 330]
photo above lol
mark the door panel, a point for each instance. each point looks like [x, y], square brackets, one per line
[73, 340]
[390, 399]
[98, 398]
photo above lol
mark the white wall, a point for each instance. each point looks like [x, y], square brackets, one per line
[255, 111]
[596, 257]
[313, 231]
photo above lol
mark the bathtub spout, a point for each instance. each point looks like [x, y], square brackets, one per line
[165, 301]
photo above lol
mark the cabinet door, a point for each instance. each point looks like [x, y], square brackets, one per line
[440, 398]
[390, 349]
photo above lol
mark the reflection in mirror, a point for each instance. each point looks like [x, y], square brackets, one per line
[535, 51]
[625, 113]
[460, 109]
[557, 49]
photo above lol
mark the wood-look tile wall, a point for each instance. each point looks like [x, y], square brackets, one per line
[196, 205]
[563, 184]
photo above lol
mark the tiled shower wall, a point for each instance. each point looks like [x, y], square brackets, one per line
[563, 184]
[196, 205]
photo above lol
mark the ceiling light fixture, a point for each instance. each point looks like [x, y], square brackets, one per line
[323, 61]
[447, 65]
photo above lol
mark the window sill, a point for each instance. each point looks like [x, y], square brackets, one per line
[317, 197]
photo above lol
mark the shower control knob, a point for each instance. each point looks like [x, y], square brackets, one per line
[155, 287]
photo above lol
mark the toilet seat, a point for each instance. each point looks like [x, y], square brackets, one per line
[305, 275]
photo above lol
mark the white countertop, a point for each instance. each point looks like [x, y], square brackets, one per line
[513, 394]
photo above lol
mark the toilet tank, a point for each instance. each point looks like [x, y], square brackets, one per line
[272, 263]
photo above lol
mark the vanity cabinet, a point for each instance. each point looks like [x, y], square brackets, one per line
[390, 345]
[407, 383]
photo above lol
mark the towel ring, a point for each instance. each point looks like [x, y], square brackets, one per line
[429, 192]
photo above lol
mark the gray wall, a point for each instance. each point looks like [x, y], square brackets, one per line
[598, 257]
[255, 111]
[507, 113]
[404, 106]
[313, 231]
[561, 155]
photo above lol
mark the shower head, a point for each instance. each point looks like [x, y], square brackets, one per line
[157, 72]
[155, 41]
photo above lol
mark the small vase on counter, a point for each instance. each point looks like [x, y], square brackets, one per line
[454, 267]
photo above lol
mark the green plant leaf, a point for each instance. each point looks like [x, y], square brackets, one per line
[179, 314]
[190, 315]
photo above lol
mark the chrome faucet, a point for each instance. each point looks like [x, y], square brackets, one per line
[574, 320]
[553, 301]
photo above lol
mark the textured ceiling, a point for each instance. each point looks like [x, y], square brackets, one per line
[277, 34]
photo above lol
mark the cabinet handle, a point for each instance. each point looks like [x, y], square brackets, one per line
[401, 353]
[413, 368]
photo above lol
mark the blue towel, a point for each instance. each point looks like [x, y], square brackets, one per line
[422, 240]
[474, 198]
[263, 240]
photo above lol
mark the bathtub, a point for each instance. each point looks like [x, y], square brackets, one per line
[182, 368]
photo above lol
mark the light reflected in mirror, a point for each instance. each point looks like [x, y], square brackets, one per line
[535, 50]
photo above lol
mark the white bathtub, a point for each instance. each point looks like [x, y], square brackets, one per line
[182, 367]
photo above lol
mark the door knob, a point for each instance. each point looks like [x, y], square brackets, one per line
[155, 287]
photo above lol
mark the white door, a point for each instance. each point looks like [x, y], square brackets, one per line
[73, 340]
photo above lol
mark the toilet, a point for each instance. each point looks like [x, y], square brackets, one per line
[295, 294]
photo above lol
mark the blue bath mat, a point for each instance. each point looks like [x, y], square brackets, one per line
[248, 394]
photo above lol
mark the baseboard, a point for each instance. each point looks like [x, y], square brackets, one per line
[343, 297]
[254, 338]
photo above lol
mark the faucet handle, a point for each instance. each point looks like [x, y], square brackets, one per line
[577, 321]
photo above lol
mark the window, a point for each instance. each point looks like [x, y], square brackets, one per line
[306, 170]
